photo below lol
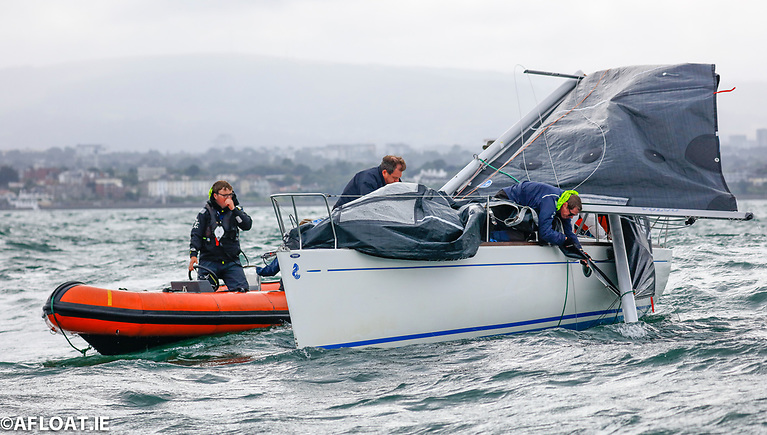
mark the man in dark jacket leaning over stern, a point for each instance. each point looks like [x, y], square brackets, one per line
[216, 237]
[364, 182]
[552, 205]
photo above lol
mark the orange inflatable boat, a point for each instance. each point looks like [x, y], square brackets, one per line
[121, 321]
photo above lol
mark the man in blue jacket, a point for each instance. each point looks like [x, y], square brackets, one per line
[270, 269]
[216, 237]
[551, 204]
[364, 182]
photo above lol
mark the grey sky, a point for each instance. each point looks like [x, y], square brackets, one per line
[496, 35]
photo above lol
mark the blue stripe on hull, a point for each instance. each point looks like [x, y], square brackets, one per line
[575, 326]
[443, 266]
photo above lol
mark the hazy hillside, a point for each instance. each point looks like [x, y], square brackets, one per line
[185, 102]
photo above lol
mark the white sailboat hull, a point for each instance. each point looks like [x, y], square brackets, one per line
[342, 298]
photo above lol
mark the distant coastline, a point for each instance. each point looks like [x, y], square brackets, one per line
[194, 204]
[126, 205]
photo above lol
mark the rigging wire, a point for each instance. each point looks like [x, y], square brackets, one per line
[548, 151]
[519, 151]
[519, 105]
[521, 129]
[545, 138]
[540, 122]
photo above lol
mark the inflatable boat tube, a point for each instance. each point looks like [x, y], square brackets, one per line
[122, 321]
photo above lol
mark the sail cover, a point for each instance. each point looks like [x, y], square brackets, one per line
[644, 133]
[400, 220]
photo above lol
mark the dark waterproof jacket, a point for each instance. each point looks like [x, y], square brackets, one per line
[204, 244]
[270, 269]
[362, 183]
[543, 198]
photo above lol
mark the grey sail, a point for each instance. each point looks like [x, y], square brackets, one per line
[646, 134]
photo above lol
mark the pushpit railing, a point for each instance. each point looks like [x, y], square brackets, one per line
[294, 218]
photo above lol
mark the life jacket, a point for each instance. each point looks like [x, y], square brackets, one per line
[224, 222]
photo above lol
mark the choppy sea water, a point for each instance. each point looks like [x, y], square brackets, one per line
[697, 365]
